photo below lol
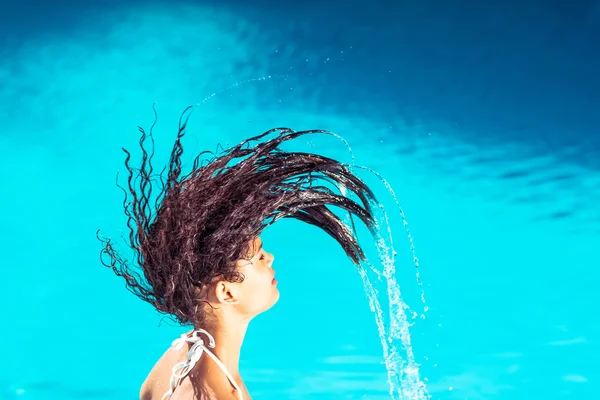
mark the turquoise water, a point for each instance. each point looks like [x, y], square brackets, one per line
[499, 180]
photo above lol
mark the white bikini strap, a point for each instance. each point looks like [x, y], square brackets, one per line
[181, 369]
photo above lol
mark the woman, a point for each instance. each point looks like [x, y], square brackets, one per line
[200, 251]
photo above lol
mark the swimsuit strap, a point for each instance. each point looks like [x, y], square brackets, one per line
[181, 369]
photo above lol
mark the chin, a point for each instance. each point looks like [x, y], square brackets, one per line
[274, 298]
[270, 303]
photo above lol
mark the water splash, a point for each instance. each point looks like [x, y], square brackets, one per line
[239, 83]
[402, 369]
[390, 250]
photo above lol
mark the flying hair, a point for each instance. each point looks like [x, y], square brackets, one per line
[202, 221]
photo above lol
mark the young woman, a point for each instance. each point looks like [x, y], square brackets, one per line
[201, 254]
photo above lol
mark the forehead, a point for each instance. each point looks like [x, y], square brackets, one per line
[254, 246]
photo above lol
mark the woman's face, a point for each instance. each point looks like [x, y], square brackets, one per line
[259, 289]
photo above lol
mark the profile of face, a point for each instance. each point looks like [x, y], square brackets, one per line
[258, 292]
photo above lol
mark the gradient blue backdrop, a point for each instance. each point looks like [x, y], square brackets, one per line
[482, 115]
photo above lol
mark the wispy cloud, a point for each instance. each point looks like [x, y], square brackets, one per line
[353, 359]
[575, 378]
[513, 369]
[568, 342]
[507, 354]
[475, 384]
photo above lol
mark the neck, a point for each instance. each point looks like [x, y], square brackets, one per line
[229, 332]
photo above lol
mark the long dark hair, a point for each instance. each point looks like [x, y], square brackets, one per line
[204, 220]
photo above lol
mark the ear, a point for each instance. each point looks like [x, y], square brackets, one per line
[226, 292]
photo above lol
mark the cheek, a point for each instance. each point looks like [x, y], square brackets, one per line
[259, 288]
[256, 285]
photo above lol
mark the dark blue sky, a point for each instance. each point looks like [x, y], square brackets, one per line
[510, 70]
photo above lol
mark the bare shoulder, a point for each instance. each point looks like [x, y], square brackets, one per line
[145, 392]
[203, 383]
[157, 382]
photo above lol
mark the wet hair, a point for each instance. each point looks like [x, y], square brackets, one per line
[202, 222]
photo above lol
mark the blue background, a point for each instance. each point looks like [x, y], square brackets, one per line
[483, 116]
